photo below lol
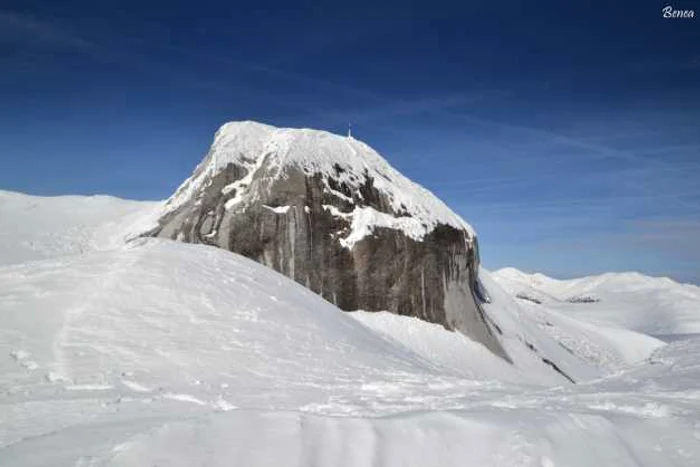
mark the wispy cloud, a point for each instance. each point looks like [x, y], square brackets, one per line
[670, 234]
[579, 203]
[400, 108]
[678, 234]
[21, 29]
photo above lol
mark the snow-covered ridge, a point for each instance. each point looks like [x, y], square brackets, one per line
[628, 277]
[39, 227]
[344, 159]
[651, 305]
[562, 288]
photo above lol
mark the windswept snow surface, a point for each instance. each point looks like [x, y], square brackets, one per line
[651, 305]
[162, 353]
[346, 160]
[35, 227]
[453, 350]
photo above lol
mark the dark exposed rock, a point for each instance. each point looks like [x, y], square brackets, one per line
[524, 296]
[300, 222]
[583, 299]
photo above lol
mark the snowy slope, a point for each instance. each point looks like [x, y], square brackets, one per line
[83, 224]
[650, 305]
[54, 227]
[153, 331]
[37, 227]
[456, 352]
[162, 353]
[169, 315]
[609, 349]
[649, 417]
[522, 338]
[168, 318]
[349, 162]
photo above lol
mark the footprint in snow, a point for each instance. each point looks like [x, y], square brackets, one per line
[24, 359]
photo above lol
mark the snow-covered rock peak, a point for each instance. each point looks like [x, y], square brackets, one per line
[332, 214]
[349, 162]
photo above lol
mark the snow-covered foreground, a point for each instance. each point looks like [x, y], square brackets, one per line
[161, 353]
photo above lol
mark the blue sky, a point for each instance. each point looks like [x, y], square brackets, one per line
[568, 135]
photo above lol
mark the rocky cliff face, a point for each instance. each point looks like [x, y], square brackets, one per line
[330, 213]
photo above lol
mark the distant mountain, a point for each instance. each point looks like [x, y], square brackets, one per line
[651, 305]
[332, 214]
